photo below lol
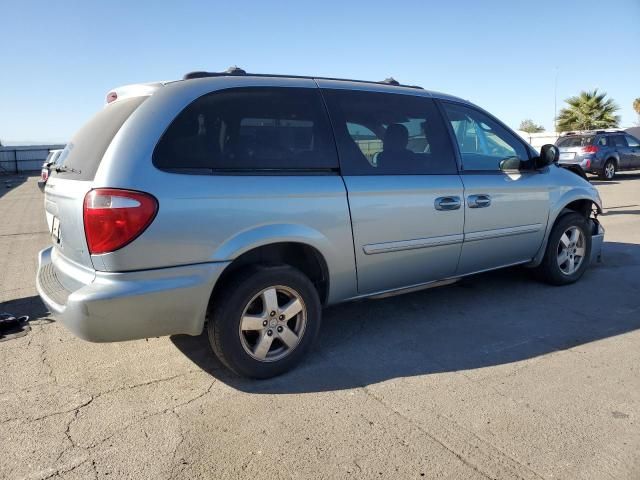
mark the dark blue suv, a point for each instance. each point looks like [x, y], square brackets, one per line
[602, 152]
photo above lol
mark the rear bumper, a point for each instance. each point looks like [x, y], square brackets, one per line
[597, 239]
[589, 164]
[131, 305]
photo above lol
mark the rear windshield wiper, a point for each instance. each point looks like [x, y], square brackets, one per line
[63, 168]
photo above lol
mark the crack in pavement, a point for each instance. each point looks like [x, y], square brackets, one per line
[480, 440]
[22, 233]
[172, 472]
[49, 415]
[427, 433]
[145, 417]
[67, 433]
[60, 471]
[72, 444]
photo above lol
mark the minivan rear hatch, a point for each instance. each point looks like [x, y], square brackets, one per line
[73, 174]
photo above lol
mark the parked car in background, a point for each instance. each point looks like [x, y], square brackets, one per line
[245, 203]
[602, 152]
[46, 166]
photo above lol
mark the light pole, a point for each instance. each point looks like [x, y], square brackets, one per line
[555, 102]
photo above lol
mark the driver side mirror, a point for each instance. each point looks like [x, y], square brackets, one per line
[548, 154]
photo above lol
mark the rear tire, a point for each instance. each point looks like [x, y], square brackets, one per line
[264, 320]
[608, 170]
[568, 251]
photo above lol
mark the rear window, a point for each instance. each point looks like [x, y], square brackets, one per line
[250, 129]
[86, 149]
[576, 141]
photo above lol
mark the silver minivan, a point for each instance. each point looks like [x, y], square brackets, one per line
[244, 203]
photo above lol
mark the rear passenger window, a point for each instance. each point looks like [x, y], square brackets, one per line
[389, 134]
[602, 141]
[250, 129]
[484, 144]
[631, 141]
[619, 141]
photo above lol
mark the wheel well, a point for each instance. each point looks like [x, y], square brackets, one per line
[614, 159]
[582, 207]
[304, 257]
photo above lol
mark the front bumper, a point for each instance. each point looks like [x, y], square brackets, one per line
[597, 239]
[112, 307]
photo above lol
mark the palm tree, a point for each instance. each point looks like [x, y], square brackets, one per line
[588, 111]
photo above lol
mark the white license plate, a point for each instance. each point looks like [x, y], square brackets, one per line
[567, 155]
[55, 229]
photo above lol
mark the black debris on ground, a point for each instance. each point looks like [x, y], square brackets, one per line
[12, 326]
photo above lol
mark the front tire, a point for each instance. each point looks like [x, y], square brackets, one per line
[609, 170]
[264, 320]
[568, 251]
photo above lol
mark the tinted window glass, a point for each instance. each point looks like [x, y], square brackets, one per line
[619, 141]
[389, 134]
[250, 128]
[575, 141]
[631, 141]
[85, 150]
[56, 156]
[603, 141]
[484, 144]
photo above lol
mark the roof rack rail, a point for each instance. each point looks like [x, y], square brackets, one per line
[237, 71]
[592, 132]
[233, 70]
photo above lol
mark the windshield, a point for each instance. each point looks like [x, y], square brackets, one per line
[576, 141]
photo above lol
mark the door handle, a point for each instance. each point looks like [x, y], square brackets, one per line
[479, 201]
[448, 203]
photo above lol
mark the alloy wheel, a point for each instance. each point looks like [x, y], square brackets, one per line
[272, 323]
[609, 170]
[571, 250]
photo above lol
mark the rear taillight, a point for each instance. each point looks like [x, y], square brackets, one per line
[112, 97]
[44, 174]
[590, 149]
[113, 217]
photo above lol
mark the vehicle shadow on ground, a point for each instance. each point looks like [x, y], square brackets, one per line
[486, 320]
[32, 306]
[620, 177]
[9, 183]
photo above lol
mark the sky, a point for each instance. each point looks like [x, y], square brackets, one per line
[59, 59]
